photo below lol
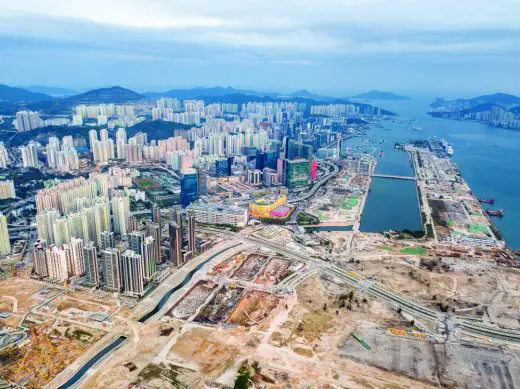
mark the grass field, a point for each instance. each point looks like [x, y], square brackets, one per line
[322, 216]
[477, 229]
[349, 202]
[413, 250]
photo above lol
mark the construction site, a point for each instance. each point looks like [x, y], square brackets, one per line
[444, 364]
[192, 300]
[50, 347]
[250, 267]
[275, 270]
[220, 306]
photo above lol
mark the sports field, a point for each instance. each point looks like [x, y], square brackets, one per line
[146, 183]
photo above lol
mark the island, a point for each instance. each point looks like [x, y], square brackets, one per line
[498, 110]
[378, 95]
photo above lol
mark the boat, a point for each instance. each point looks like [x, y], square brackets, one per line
[447, 147]
[486, 201]
[417, 128]
[497, 213]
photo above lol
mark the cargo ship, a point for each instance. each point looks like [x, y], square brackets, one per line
[447, 147]
[486, 201]
[497, 213]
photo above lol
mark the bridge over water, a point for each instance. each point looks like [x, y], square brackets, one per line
[394, 177]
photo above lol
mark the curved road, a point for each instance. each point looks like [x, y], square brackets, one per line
[317, 185]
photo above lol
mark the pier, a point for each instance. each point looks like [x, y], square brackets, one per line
[394, 177]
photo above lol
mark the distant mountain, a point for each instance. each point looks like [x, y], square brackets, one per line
[218, 91]
[51, 90]
[498, 109]
[13, 94]
[114, 94]
[503, 99]
[191, 93]
[378, 95]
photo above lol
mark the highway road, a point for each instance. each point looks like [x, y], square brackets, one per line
[317, 185]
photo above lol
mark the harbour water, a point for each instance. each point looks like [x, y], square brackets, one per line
[486, 156]
[391, 205]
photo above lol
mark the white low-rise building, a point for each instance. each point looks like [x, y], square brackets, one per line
[219, 214]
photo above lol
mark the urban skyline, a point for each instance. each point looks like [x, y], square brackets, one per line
[221, 237]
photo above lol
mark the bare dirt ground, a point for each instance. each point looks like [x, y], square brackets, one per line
[143, 345]
[53, 345]
[203, 347]
[297, 344]
[436, 287]
[25, 292]
[253, 308]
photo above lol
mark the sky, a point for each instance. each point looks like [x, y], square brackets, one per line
[335, 47]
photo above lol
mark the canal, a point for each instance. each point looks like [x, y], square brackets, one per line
[72, 381]
[186, 279]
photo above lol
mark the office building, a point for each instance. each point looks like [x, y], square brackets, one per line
[192, 244]
[189, 186]
[91, 264]
[154, 230]
[270, 177]
[132, 273]
[223, 166]
[111, 269]
[296, 173]
[175, 234]
[202, 175]
[156, 214]
[254, 177]
[149, 258]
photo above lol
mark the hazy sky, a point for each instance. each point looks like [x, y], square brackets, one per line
[328, 46]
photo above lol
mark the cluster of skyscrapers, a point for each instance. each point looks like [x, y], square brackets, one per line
[64, 157]
[81, 224]
[29, 120]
